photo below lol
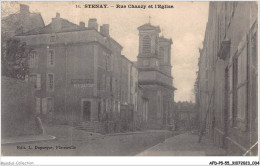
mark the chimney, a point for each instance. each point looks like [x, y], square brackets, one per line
[92, 23]
[57, 15]
[56, 23]
[104, 29]
[24, 9]
[81, 25]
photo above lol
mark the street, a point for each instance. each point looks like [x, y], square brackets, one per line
[73, 142]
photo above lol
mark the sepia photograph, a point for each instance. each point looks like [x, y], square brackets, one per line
[92, 78]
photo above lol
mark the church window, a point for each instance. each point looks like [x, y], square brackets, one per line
[146, 44]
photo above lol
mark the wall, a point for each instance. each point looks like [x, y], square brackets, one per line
[231, 118]
[18, 108]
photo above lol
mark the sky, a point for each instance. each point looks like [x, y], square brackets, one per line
[185, 24]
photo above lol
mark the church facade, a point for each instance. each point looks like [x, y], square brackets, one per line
[154, 65]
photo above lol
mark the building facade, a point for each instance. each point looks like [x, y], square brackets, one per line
[155, 78]
[80, 75]
[228, 76]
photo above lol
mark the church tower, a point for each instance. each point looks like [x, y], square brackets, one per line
[154, 66]
[148, 46]
[165, 55]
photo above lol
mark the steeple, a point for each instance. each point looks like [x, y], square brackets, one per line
[165, 55]
[148, 45]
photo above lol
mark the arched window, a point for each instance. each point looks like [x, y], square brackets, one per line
[146, 44]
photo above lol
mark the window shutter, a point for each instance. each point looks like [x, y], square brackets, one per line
[38, 105]
[35, 63]
[38, 81]
[44, 105]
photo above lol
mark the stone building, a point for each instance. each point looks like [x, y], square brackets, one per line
[154, 65]
[79, 73]
[228, 76]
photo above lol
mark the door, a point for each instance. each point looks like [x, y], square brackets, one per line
[86, 108]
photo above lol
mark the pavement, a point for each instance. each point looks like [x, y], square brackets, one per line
[184, 145]
[26, 139]
[80, 143]
[138, 132]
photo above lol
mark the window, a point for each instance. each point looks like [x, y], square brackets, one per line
[108, 62]
[51, 58]
[146, 44]
[103, 82]
[52, 38]
[33, 59]
[111, 83]
[161, 52]
[50, 105]
[108, 83]
[50, 81]
[44, 106]
[38, 105]
[35, 79]
[99, 82]
[38, 81]
[47, 106]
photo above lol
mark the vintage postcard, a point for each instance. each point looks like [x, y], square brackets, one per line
[91, 78]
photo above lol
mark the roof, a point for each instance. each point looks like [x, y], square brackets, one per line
[66, 26]
[161, 38]
[26, 21]
[148, 26]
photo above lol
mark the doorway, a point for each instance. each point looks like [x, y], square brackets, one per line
[86, 110]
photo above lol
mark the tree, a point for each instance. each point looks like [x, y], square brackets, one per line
[15, 59]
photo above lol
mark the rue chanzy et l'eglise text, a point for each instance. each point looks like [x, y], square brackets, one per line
[123, 6]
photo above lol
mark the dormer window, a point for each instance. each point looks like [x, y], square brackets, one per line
[146, 45]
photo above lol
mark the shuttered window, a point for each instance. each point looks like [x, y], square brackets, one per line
[38, 105]
[38, 81]
[51, 58]
[33, 59]
[44, 106]
[146, 44]
[50, 82]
